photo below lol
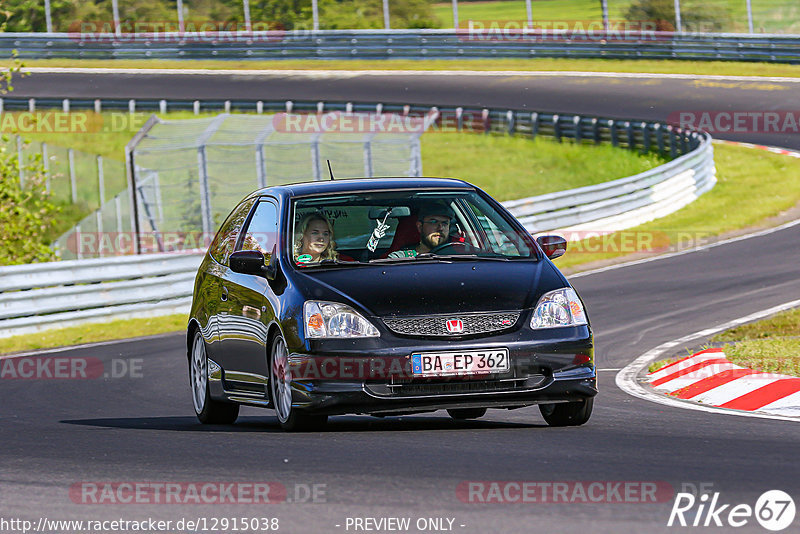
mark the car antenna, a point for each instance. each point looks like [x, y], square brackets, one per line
[329, 168]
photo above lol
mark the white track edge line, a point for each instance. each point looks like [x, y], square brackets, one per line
[626, 379]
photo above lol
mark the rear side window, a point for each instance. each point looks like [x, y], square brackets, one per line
[225, 240]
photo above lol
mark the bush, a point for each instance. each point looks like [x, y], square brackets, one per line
[26, 214]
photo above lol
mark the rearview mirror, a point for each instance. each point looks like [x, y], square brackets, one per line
[552, 245]
[396, 212]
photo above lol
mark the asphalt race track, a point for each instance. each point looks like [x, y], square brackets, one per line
[141, 428]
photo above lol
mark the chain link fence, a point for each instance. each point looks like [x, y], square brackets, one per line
[189, 172]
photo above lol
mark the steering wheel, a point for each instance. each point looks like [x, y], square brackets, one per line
[455, 247]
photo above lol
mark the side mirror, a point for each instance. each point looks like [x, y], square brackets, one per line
[252, 262]
[552, 245]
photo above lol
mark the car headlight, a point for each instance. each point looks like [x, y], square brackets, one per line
[334, 320]
[561, 307]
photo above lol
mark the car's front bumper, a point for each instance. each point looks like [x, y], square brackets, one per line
[338, 380]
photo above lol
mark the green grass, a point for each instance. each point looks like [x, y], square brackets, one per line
[94, 332]
[729, 68]
[771, 345]
[752, 185]
[514, 167]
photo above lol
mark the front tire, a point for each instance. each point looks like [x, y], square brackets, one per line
[567, 413]
[280, 386]
[208, 410]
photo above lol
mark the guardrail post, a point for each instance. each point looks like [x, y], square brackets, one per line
[487, 122]
[673, 147]
[534, 124]
[65, 105]
[578, 130]
[162, 106]
[596, 131]
[196, 107]
[612, 129]
[459, 119]
[511, 122]
[31, 105]
[227, 106]
[72, 180]
[260, 107]
[289, 106]
[98, 105]
[556, 128]
[645, 137]
[132, 106]
[320, 107]
[659, 137]
[631, 135]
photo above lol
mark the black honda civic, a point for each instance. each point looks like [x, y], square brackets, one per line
[385, 296]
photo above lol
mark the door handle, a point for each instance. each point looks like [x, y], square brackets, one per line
[224, 295]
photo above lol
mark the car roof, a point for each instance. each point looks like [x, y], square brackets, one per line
[362, 184]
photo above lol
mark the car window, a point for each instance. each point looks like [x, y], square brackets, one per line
[223, 243]
[367, 227]
[262, 231]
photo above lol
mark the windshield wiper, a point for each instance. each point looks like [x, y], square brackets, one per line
[402, 259]
[329, 263]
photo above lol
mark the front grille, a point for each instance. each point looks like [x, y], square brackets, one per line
[456, 387]
[436, 325]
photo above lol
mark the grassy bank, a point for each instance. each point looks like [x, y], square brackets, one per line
[752, 185]
[771, 345]
[92, 333]
[716, 68]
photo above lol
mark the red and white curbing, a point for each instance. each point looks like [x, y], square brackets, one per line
[773, 149]
[708, 377]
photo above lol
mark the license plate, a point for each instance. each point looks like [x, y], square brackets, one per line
[467, 362]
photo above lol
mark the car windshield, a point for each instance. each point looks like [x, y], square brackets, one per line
[403, 226]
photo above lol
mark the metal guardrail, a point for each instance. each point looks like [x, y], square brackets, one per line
[57, 294]
[38, 296]
[408, 44]
[623, 203]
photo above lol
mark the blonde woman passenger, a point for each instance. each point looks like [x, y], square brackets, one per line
[315, 240]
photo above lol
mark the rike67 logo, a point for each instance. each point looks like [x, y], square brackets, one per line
[774, 510]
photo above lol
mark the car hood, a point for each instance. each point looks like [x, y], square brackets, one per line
[434, 288]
